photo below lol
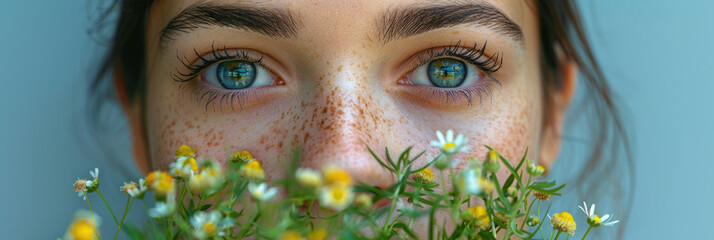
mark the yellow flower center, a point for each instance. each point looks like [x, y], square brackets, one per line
[318, 234]
[242, 156]
[185, 151]
[209, 228]
[82, 229]
[563, 222]
[424, 176]
[128, 186]
[337, 175]
[596, 219]
[191, 162]
[449, 146]
[160, 182]
[480, 217]
[290, 235]
[253, 170]
[338, 193]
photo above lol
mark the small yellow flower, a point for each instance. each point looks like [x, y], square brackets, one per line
[363, 200]
[183, 167]
[185, 151]
[424, 176]
[252, 170]
[318, 234]
[160, 183]
[563, 222]
[534, 170]
[207, 225]
[334, 175]
[492, 162]
[479, 216]
[209, 180]
[486, 185]
[512, 192]
[290, 235]
[83, 227]
[308, 178]
[532, 220]
[541, 196]
[241, 157]
[336, 196]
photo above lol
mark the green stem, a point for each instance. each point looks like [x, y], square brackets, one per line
[558, 235]
[391, 207]
[129, 202]
[91, 213]
[108, 207]
[527, 212]
[588, 231]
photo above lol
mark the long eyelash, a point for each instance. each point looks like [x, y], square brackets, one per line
[202, 63]
[472, 55]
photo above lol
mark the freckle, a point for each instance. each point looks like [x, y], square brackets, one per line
[455, 32]
[339, 69]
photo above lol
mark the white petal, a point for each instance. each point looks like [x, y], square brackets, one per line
[440, 137]
[458, 139]
[611, 223]
[450, 136]
[592, 209]
[270, 193]
[604, 218]
[586, 212]
[436, 144]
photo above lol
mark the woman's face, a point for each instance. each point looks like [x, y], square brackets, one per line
[331, 78]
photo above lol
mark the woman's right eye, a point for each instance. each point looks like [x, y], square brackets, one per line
[237, 74]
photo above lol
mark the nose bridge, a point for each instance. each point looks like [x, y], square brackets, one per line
[341, 112]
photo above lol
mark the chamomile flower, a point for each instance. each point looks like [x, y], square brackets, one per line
[183, 166]
[363, 200]
[478, 215]
[160, 183]
[468, 182]
[308, 178]
[252, 170]
[80, 187]
[563, 222]
[208, 225]
[241, 157]
[185, 151]
[424, 176]
[83, 227]
[261, 192]
[133, 189]
[165, 208]
[209, 180]
[336, 196]
[595, 220]
[533, 169]
[93, 185]
[336, 175]
[449, 145]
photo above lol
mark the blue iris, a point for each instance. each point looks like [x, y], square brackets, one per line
[236, 74]
[447, 72]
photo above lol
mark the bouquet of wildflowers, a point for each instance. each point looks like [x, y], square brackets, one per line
[204, 200]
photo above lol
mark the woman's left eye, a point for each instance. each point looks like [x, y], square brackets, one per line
[237, 74]
[445, 73]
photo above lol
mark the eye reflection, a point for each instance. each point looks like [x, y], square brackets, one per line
[447, 72]
[236, 74]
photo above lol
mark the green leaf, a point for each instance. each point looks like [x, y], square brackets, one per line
[205, 207]
[406, 229]
[379, 160]
[389, 158]
[132, 231]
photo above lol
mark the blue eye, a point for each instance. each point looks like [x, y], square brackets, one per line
[447, 72]
[238, 74]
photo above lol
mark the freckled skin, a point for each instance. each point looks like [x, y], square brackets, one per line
[340, 94]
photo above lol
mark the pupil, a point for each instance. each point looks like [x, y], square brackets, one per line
[236, 74]
[447, 72]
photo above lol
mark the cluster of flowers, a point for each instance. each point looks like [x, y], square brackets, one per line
[210, 201]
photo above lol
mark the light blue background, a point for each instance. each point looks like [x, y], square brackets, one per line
[657, 54]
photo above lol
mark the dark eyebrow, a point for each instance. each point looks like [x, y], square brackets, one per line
[267, 21]
[404, 22]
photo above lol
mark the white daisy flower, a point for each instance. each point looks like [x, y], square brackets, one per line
[84, 226]
[595, 220]
[449, 145]
[93, 184]
[207, 225]
[80, 187]
[134, 190]
[261, 192]
[336, 196]
[468, 182]
[183, 167]
[308, 178]
[164, 209]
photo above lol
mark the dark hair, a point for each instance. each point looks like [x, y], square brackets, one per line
[561, 30]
